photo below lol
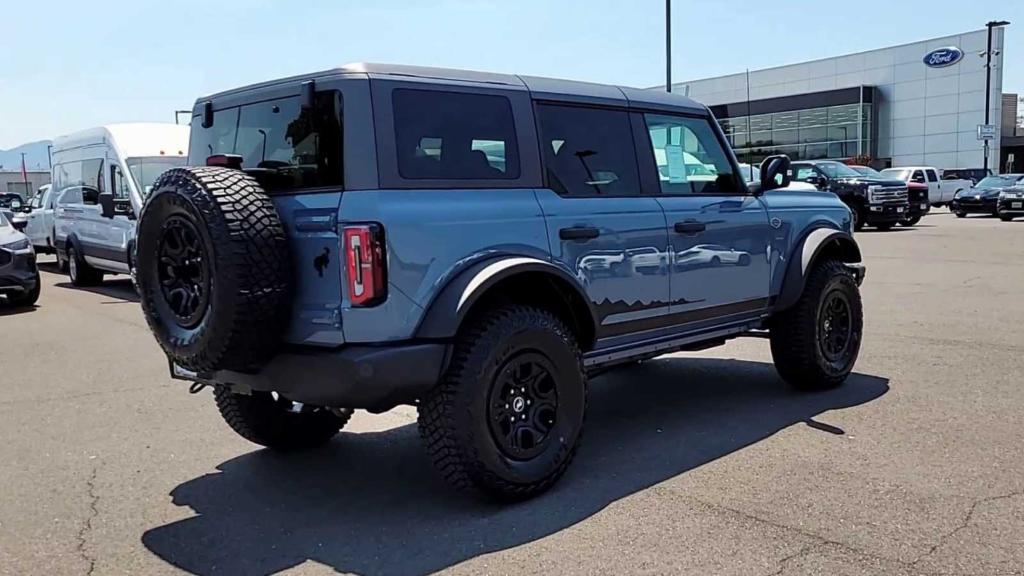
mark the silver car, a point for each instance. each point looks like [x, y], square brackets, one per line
[19, 276]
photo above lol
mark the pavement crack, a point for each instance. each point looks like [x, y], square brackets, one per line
[964, 524]
[87, 525]
[803, 551]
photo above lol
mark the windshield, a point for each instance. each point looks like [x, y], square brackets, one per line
[145, 171]
[865, 170]
[836, 170]
[999, 181]
[897, 173]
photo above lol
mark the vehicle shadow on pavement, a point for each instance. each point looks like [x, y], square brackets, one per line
[372, 504]
[118, 289]
[8, 309]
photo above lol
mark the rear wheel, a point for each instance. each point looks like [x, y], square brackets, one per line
[271, 420]
[508, 415]
[81, 273]
[816, 342]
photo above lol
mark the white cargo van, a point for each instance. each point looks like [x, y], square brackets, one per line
[118, 164]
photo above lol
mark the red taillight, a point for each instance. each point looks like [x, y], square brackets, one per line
[365, 264]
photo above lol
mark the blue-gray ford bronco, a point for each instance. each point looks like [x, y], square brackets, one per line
[476, 245]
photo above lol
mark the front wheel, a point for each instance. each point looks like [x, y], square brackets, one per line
[960, 214]
[912, 221]
[816, 342]
[508, 414]
[858, 220]
[1005, 217]
[271, 420]
[28, 298]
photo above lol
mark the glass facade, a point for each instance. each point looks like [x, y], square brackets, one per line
[829, 132]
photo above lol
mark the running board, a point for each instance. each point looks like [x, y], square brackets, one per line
[649, 349]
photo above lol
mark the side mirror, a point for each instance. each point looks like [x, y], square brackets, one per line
[775, 172]
[106, 201]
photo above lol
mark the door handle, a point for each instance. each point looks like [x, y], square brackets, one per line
[690, 227]
[579, 233]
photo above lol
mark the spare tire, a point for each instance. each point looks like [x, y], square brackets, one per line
[213, 270]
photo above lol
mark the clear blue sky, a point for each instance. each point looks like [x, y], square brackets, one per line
[67, 65]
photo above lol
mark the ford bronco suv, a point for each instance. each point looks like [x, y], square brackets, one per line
[475, 245]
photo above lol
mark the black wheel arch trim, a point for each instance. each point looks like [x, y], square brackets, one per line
[809, 250]
[449, 308]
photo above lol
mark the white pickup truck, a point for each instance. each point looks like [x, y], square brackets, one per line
[940, 192]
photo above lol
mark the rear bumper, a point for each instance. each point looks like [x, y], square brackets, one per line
[374, 378]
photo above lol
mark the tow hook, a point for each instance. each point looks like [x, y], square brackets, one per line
[197, 387]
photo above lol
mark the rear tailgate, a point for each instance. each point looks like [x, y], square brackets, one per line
[311, 221]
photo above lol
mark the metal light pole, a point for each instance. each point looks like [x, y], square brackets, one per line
[988, 78]
[668, 45]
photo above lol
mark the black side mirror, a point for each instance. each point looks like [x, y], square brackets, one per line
[308, 94]
[775, 172]
[106, 201]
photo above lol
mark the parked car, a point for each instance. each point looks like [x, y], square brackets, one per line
[11, 201]
[39, 221]
[878, 202]
[101, 177]
[424, 272]
[975, 175]
[19, 276]
[1010, 203]
[984, 198]
[940, 192]
[917, 193]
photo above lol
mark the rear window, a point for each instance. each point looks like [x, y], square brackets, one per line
[286, 146]
[454, 136]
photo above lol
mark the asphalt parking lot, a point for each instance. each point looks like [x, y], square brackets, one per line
[701, 463]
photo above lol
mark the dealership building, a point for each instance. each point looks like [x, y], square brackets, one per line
[912, 104]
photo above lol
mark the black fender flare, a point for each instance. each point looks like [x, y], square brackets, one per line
[806, 255]
[449, 308]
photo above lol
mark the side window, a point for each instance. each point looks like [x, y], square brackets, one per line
[932, 176]
[118, 185]
[689, 156]
[71, 196]
[292, 146]
[588, 151]
[37, 200]
[454, 136]
[92, 181]
[803, 173]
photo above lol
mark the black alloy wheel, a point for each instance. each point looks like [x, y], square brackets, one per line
[523, 406]
[835, 326]
[183, 271]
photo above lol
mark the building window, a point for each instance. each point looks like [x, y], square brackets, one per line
[830, 132]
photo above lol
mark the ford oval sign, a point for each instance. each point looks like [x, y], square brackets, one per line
[942, 57]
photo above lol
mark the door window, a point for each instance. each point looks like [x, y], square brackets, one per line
[85, 175]
[454, 136]
[118, 185]
[689, 156]
[932, 176]
[588, 151]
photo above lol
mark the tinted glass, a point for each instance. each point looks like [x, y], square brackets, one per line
[118, 184]
[836, 170]
[454, 136]
[588, 151]
[689, 156]
[291, 147]
[932, 176]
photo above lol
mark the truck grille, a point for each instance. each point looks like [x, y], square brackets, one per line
[889, 194]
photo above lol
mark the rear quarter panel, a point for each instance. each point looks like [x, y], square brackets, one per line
[431, 236]
[793, 214]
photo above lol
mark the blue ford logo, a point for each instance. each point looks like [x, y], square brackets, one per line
[941, 57]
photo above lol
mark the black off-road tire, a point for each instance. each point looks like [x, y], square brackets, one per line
[268, 421]
[81, 273]
[28, 298]
[1006, 217]
[960, 214]
[244, 299]
[796, 348]
[454, 417]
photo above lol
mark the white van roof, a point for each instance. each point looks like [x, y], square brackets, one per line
[132, 139]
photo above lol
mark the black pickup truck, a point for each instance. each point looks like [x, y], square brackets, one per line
[875, 201]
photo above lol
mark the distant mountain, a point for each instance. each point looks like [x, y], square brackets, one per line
[36, 157]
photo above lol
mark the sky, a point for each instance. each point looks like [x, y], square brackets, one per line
[67, 65]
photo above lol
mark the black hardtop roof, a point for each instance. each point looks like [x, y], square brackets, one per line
[544, 88]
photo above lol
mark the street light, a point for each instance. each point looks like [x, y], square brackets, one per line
[988, 53]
